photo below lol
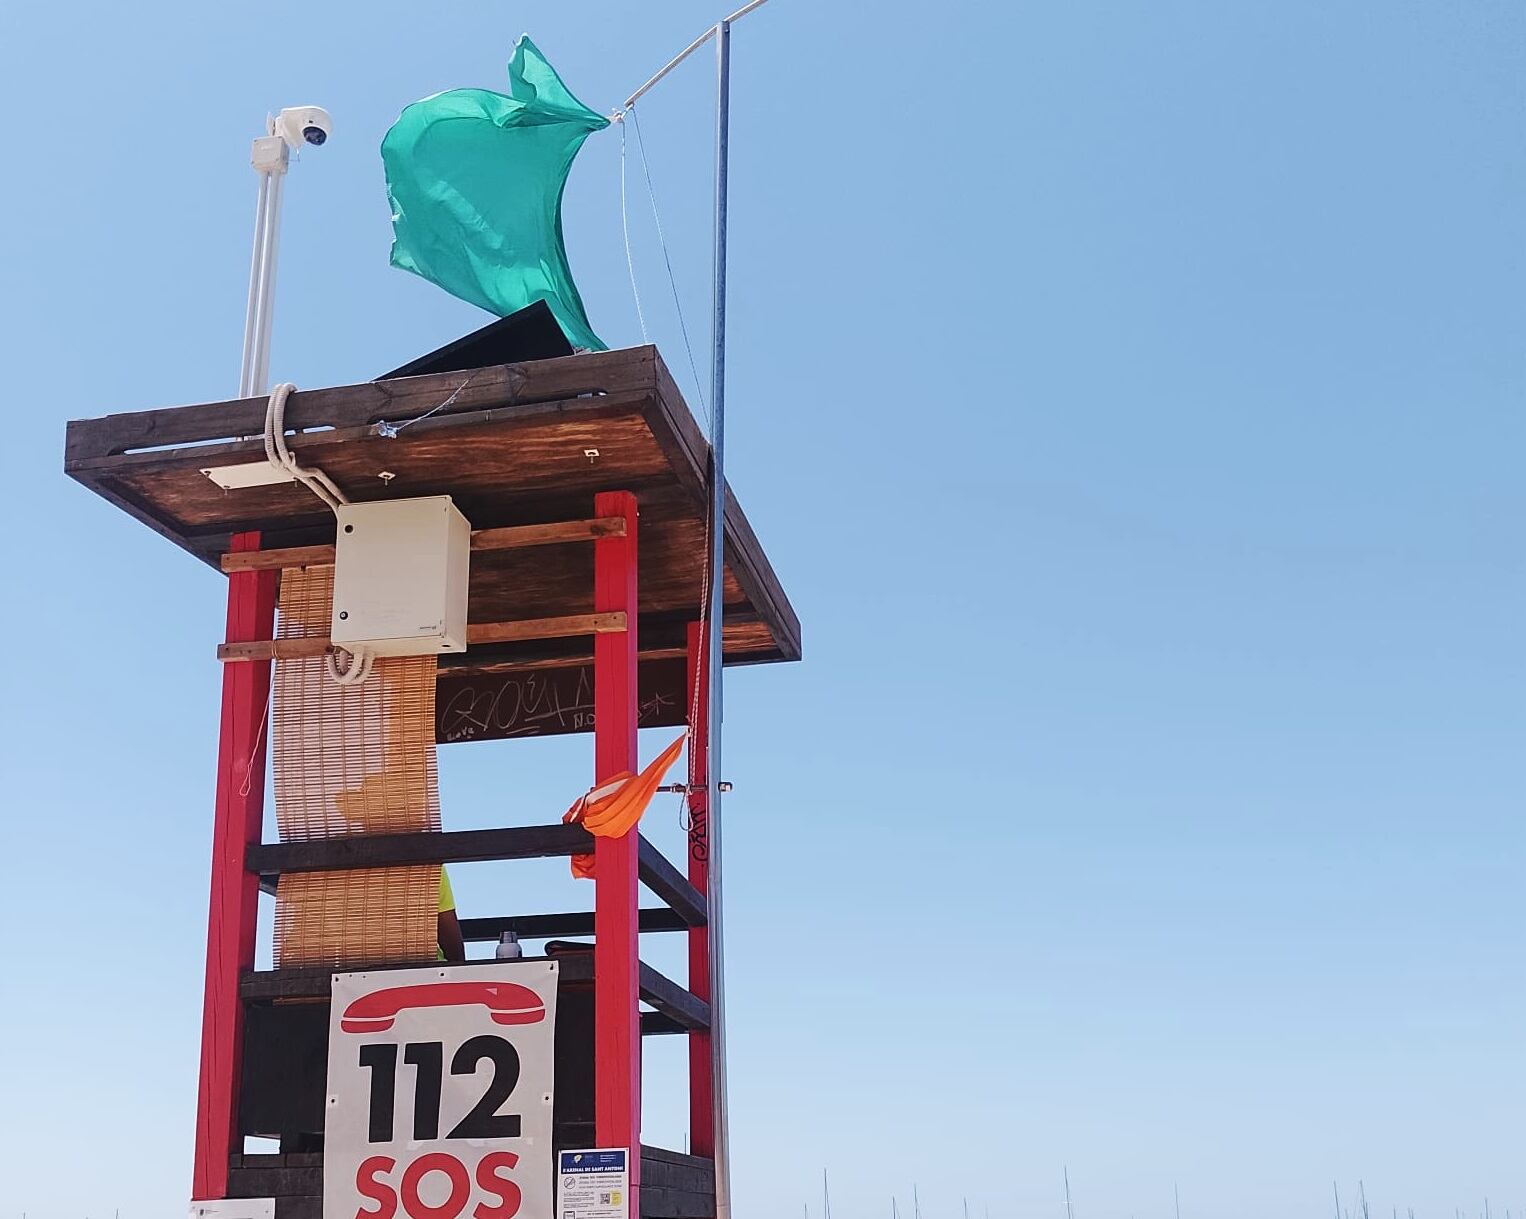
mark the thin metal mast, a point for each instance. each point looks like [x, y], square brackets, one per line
[715, 906]
[1069, 1212]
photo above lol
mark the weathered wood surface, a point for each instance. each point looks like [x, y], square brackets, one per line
[316, 982]
[513, 537]
[657, 1202]
[312, 646]
[275, 1180]
[551, 926]
[663, 1169]
[512, 449]
[473, 704]
[659, 875]
[538, 381]
[400, 850]
[673, 1001]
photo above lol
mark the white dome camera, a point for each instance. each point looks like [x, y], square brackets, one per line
[299, 125]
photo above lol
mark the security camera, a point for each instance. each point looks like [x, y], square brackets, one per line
[304, 124]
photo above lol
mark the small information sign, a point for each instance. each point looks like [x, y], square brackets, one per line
[594, 1184]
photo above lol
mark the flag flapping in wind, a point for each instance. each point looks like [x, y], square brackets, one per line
[614, 807]
[475, 179]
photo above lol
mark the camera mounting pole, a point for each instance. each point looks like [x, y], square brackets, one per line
[270, 156]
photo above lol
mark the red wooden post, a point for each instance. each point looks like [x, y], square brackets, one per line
[617, 1030]
[701, 1083]
[235, 892]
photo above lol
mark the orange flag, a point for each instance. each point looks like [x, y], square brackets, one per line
[613, 808]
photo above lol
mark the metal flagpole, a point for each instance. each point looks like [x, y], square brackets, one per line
[721, 32]
[715, 907]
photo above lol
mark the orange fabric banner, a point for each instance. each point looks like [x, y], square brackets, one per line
[614, 807]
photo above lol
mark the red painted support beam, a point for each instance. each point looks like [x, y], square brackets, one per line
[617, 1029]
[235, 892]
[701, 1082]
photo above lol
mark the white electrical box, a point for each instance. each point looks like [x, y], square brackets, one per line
[400, 576]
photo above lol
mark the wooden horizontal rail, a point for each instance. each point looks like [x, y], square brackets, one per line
[401, 850]
[673, 1001]
[551, 926]
[518, 537]
[511, 537]
[477, 633]
[545, 628]
[274, 649]
[522, 388]
[657, 1024]
[316, 981]
[674, 1005]
[668, 883]
[264, 560]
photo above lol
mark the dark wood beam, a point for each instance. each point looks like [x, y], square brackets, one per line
[503, 385]
[476, 633]
[673, 1001]
[551, 926]
[668, 883]
[511, 537]
[315, 982]
[656, 1024]
[399, 850]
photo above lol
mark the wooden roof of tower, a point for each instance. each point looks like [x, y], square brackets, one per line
[512, 444]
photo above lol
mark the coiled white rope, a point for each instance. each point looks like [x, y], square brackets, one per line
[358, 666]
[358, 669]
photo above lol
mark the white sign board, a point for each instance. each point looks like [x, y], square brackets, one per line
[235, 1208]
[439, 1093]
[593, 1184]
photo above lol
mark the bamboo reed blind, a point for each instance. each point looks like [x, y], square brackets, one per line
[352, 760]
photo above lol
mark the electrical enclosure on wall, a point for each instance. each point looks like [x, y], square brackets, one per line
[400, 577]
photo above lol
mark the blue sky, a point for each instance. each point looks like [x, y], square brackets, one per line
[1129, 397]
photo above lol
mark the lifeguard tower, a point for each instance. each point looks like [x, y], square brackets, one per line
[583, 481]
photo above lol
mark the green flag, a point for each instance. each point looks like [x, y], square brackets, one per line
[475, 179]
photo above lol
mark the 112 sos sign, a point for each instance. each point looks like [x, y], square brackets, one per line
[440, 1093]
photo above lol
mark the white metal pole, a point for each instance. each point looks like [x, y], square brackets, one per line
[256, 262]
[268, 283]
[717, 557]
[270, 158]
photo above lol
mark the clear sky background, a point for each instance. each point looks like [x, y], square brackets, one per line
[1129, 397]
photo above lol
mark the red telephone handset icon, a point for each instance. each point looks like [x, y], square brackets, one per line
[506, 1002]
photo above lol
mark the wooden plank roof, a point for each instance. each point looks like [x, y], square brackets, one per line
[513, 444]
